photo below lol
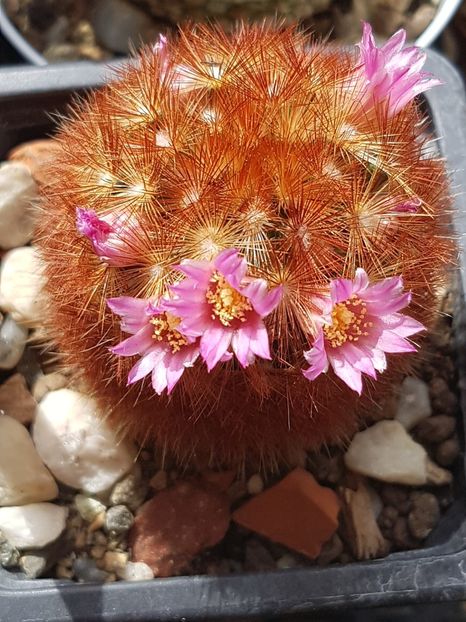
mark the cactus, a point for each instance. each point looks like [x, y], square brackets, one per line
[235, 224]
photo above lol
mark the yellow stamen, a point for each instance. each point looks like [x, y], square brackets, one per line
[227, 303]
[348, 322]
[165, 329]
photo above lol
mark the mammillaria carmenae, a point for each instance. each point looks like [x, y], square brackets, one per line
[235, 215]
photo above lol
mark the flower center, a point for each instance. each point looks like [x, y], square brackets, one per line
[227, 303]
[348, 322]
[165, 330]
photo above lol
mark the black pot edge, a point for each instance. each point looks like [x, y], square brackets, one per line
[18, 42]
[433, 574]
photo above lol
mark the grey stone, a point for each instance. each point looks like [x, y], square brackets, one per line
[86, 570]
[9, 555]
[118, 519]
[130, 491]
[33, 565]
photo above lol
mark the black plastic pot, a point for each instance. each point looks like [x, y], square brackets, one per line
[437, 573]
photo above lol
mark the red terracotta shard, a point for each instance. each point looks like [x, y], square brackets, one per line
[296, 512]
[177, 524]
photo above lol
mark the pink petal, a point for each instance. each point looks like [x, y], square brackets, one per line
[379, 360]
[159, 376]
[346, 372]
[361, 281]
[262, 300]
[199, 271]
[214, 344]
[136, 344]
[389, 341]
[173, 375]
[317, 358]
[145, 365]
[387, 307]
[132, 311]
[402, 325]
[340, 290]
[240, 344]
[232, 266]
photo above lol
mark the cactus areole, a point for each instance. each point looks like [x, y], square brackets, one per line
[244, 235]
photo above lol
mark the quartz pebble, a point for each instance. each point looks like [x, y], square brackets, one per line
[386, 452]
[135, 571]
[255, 484]
[32, 526]
[45, 383]
[177, 524]
[33, 565]
[286, 561]
[21, 285]
[413, 402]
[424, 516]
[16, 401]
[118, 519]
[297, 512]
[79, 448]
[88, 507]
[159, 481]
[130, 491]
[360, 523]
[115, 561]
[12, 343]
[23, 476]
[18, 190]
[9, 555]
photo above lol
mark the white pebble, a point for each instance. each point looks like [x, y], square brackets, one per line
[76, 444]
[18, 191]
[32, 526]
[13, 340]
[413, 402]
[136, 571]
[23, 476]
[255, 484]
[21, 285]
[386, 452]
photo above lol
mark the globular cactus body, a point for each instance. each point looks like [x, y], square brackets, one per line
[296, 161]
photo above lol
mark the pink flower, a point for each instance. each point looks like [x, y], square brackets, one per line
[410, 206]
[165, 352]
[113, 237]
[391, 72]
[360, 323]
[220, 304]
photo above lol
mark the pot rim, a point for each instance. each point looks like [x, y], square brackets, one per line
[443, 15]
